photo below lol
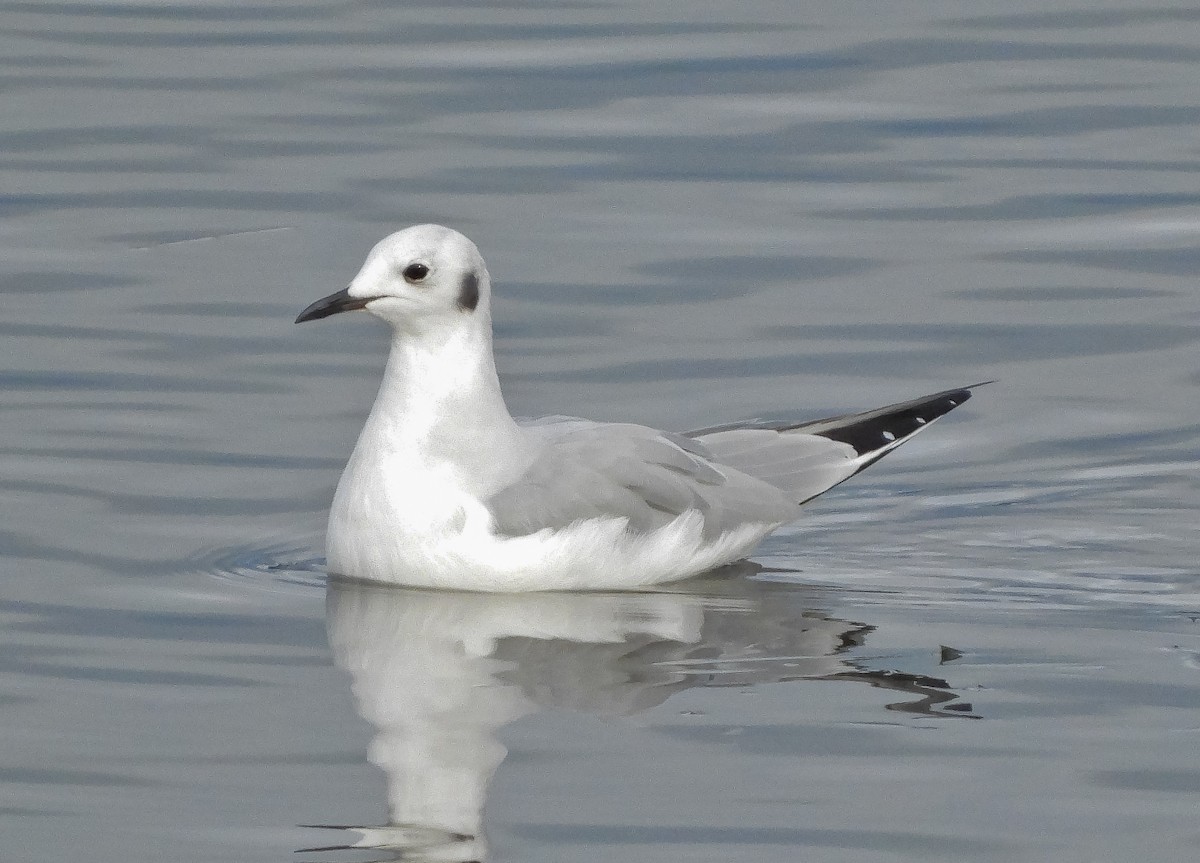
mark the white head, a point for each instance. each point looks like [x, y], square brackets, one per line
[418, 278]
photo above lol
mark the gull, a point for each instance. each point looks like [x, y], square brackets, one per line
[445, 489]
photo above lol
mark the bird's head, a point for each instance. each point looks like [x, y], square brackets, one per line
[423, 276]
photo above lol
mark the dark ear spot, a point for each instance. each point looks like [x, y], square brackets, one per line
[468, 293]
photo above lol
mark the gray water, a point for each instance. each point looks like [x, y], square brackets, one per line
[984, 648]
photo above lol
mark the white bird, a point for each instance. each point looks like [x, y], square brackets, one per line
[445, 489]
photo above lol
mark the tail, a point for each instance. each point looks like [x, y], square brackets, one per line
[809, 458]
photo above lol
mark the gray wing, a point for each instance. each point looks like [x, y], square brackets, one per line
[805, 459]
[732, 474]
[586, 470]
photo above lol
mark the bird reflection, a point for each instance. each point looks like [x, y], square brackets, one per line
[439, 673]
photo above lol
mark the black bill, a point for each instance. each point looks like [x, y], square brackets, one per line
[331, 305]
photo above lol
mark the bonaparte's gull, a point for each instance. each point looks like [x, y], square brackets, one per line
[445, 489]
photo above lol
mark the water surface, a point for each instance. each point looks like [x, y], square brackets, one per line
[984, 648]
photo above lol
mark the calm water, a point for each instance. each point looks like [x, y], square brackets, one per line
[984, 648]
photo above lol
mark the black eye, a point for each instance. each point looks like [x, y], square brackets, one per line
[415, 272]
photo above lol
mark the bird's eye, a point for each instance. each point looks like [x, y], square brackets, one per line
[415, 272]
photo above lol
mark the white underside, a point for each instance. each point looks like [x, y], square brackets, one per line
[598, 554]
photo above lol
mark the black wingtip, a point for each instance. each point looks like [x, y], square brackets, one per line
[876, 433]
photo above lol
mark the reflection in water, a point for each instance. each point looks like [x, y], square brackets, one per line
[439, 673]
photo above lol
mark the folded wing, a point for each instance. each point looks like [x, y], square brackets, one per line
[587, 470]
[756, 472]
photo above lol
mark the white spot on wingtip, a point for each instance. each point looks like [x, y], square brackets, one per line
[953, 403]
[888, 436]
[920, 420]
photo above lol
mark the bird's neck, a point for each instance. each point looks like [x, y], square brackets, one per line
[440, 400]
